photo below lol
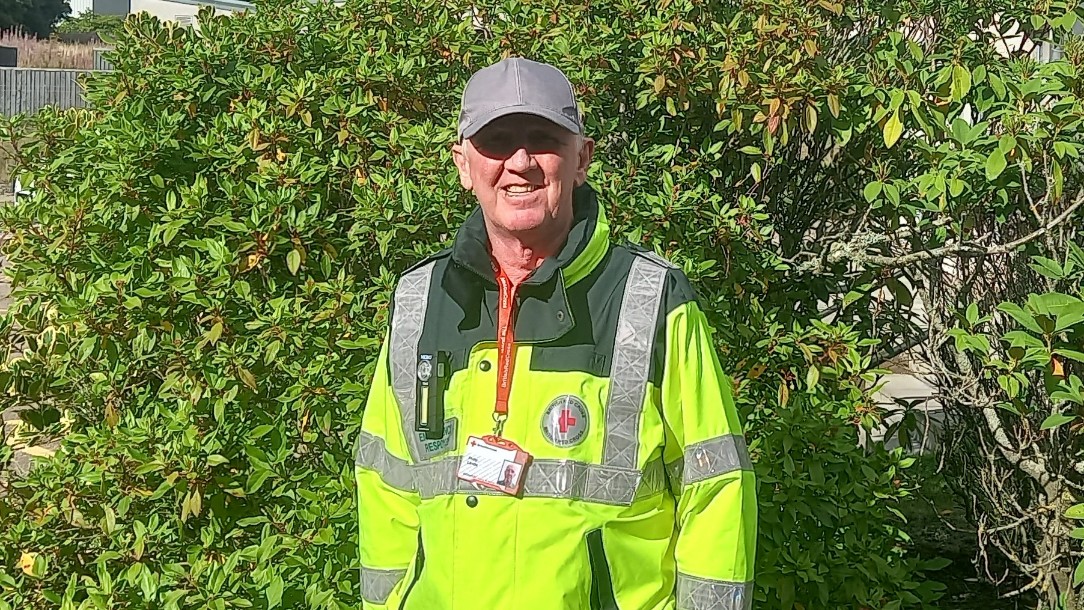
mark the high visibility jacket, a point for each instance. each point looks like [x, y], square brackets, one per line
[639, 495]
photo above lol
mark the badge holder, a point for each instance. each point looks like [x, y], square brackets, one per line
[494, 463]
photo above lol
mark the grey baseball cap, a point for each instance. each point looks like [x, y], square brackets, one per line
[517, 85]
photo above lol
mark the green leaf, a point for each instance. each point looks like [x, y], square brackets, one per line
[813, 375]
[1011, 408]
[961, 82]
[1077, 533]
[872, 190]
[1047, 267]
[972, 313]
[260, 431]
[995, 164]
[213, 335]
[1075, 511]
[1068, 316]
[274, 592]
[1078, 574]
[293, 261]
[216, 459]
[1019, 338]
[1021, 316]
[1055, 420]
[893, 129]
[1070, 353]
[956, 187]
[755, 170]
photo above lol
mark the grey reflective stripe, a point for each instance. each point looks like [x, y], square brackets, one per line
[408, 318]
[373, 455]
[565, 479]
[705, 594]
[714, 457]
[376, 585]
[636, 327]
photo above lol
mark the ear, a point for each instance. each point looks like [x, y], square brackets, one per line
[459, 155]
[587, 152]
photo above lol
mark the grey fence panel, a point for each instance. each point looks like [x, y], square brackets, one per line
[100, 62]
[27, 90]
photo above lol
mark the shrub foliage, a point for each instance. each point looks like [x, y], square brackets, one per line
[202, 276]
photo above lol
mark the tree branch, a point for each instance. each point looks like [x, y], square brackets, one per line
[846, 251]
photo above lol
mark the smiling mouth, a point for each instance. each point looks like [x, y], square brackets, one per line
[521, 189]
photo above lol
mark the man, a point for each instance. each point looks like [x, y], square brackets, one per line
[535, 342]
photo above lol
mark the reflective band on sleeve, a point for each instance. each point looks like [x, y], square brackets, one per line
[714, 457]
[408, 318]
[704, 594]
[376, 585]
[636, 327]
[372, 454]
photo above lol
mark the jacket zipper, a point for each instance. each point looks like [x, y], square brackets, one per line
[602, 588]
[419, 563]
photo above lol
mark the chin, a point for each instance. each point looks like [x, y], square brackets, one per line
[523, 220]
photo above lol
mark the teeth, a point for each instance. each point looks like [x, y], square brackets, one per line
[520, 188]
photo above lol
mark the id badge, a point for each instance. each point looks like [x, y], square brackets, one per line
[493, 463]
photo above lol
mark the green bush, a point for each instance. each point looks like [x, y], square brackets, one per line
[202, 278]
[106, 26]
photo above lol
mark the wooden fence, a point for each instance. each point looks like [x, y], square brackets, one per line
[27, 90]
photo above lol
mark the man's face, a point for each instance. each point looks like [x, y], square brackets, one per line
[523, 168]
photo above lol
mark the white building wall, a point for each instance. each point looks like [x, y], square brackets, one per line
[80, 6]
[166, 10]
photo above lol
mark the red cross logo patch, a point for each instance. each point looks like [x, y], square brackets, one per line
[565, 421]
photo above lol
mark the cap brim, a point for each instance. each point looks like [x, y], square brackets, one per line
[486, 118]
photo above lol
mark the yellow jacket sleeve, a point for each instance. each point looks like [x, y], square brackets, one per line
[387, 503]
[710, 469]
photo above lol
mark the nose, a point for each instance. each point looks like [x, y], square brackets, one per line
[520, 161]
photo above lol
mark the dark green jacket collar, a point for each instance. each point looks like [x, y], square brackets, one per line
[543, 314]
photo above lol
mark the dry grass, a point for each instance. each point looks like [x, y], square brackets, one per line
[34, 53]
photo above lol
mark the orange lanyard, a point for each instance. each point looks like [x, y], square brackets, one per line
[506, 348]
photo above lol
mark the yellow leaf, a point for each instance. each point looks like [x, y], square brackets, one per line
[893, 129]
[246, 377]
[1057, 369]
[252, 260]
[660, 83]
[112, 418]
[810, 118]
[833, 104]
[810, 47]
[26, 563]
